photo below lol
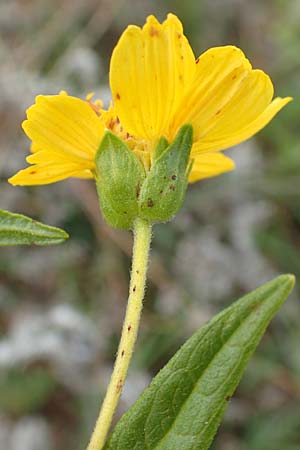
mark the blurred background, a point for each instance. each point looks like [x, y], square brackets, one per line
[61, 308]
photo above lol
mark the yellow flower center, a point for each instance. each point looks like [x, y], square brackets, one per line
[142, 148]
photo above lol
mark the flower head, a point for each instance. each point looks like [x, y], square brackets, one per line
[157, 86]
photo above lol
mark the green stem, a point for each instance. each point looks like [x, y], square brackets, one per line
[141, 247]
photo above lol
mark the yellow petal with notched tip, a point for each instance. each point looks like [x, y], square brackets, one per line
[148, 71]
[65, 134]
[223, 137]
[218, 74]
[64, 124]
[209, 165]
[227, 101]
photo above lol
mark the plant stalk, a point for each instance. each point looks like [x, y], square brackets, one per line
[141, 247]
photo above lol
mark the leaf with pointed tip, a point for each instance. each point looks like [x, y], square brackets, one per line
[16, 229]
[183, 406]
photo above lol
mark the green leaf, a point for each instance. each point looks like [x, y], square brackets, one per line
[120, 175]
[16, 229]
[163, 191]
[183, 406]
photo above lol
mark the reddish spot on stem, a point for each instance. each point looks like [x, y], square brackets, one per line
[119, 385]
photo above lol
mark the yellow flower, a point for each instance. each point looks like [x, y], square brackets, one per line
[157, 86]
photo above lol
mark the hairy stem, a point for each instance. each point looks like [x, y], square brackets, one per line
[142, 238]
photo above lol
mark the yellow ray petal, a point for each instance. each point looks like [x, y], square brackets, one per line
[227, 101]
[220, 139]
[219, 73]
[209, 165]
[251, 98]
[85, 174]
[64, 124]
[52, 157]
[149, 69]
[46, 173]
[66, 134]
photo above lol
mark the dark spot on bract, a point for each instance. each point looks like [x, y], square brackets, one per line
[138, 190]
[134, 288]
[172, 187]
[129, 328]
[123, 353]
[173, 177]
[198, 59]
[32, 172]
[118, 96]
[218, 112]
[150, 203]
